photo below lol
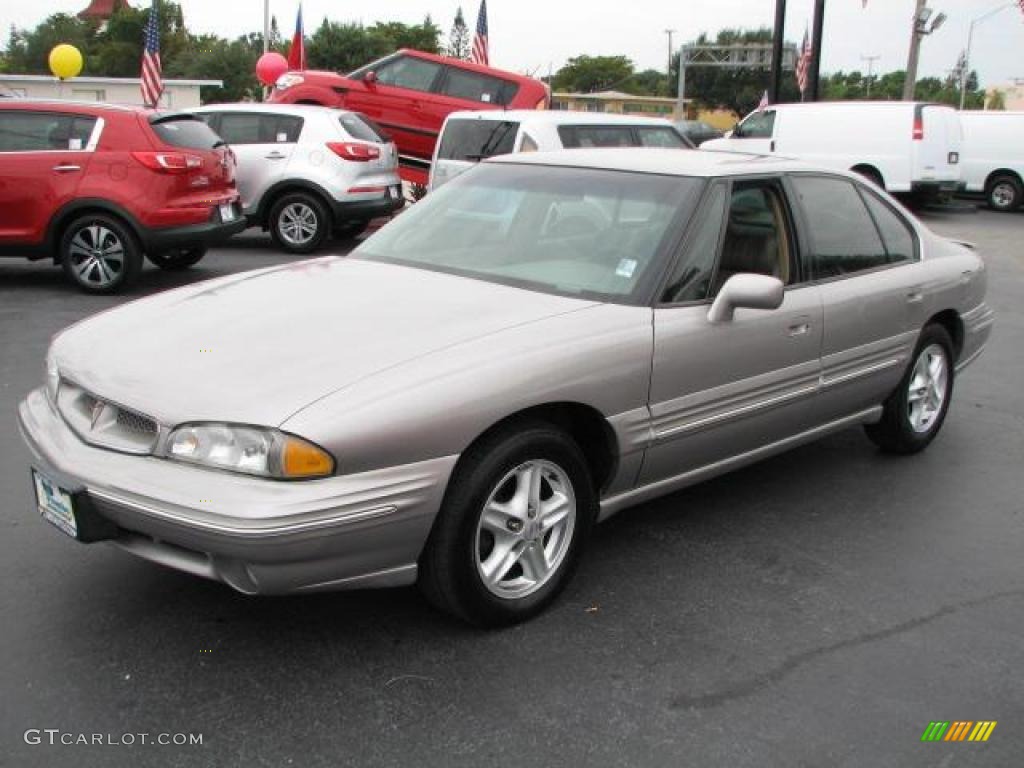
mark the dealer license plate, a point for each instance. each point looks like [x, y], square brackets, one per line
[55, 504]
[227, 212]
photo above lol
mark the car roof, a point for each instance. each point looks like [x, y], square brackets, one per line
[282, 109]
[29, 102]
[558, 117]
[674, 162]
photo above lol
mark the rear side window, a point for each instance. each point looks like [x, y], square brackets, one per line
[897, 236]
[661, 137]
[259, 128]
[186, 131]
[574, 136]
[359, 127]
[44, 131]
[477, 139]
[472, 86]
[843, 234]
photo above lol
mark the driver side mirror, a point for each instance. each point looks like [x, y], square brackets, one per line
[748, 291]
[370, 77]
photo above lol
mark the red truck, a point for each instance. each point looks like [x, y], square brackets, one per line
[409, 94]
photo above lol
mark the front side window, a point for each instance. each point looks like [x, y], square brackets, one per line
[759, 125]
[475, 140]
[409, 72]
[757, 237]
[44, 131]
[569, 231]
[843, 235]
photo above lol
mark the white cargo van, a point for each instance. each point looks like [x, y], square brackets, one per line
[468, 137]
[993, 157]
[902, 146]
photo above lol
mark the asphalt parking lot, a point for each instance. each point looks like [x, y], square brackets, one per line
[818, 609]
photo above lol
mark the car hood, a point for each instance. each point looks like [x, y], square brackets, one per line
[257, 347]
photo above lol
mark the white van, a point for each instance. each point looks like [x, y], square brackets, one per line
[903, 146]
[468, 137]
[993, 157]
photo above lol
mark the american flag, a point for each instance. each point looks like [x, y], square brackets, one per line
[152, 82]
[481, 54]
[297, 53]
[803, 62]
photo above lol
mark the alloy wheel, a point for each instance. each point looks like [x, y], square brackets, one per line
[927, 389]
[525, 529]
[97, 256]
[298, 224]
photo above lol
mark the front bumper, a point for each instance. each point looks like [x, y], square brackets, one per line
[259, 536]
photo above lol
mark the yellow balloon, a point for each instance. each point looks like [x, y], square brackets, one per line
[65, 61]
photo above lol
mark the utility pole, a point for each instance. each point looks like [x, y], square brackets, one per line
[920, 28]
[871, 70]
[266, 38]
[778, 38]
[815, 68]
[668, 70]
[967, 53]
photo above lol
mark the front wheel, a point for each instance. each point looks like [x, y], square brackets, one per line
[1004, 193]
[177, 260]
[914, 413]
[511, 529]
[299, 223]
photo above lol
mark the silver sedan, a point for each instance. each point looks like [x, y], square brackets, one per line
[545, 341]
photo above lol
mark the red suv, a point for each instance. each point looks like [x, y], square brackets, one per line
[96, 186]
[410, 93]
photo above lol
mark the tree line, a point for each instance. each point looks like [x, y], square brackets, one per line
[115, 50]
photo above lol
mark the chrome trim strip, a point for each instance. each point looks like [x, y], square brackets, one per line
[743, 410]
[613, 504]
[866, 371]
[252, 532]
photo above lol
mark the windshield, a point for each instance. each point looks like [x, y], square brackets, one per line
[571, 231]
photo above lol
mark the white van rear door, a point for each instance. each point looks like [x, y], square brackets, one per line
[938, 141]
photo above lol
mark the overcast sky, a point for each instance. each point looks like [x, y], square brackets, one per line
[536, 34]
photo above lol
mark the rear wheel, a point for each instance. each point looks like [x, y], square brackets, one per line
[871, 174]
[1004, 193]
[178, 259]
[99, 253]
[299, 223]
[914, 413]
[512, 527]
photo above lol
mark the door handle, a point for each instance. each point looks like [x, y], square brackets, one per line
[772, 146]
[798, 329]
[66, 168]
[276, 156]
[915, 296]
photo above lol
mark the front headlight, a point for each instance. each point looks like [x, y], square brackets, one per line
[52, 377]
[251, 450]
[287, 80]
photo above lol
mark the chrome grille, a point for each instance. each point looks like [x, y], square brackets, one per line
[105, 424]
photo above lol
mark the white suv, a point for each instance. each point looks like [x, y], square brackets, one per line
[306, 172]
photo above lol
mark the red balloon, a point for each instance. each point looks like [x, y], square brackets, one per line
[270, 67]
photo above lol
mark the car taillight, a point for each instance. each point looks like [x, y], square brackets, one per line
[359, 153]
[169, 162]
[918, 134]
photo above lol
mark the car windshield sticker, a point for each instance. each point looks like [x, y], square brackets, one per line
[626, 268]
[485, 97]
[74, 144]
[282, 137]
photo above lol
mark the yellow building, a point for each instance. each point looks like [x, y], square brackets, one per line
[616, 103]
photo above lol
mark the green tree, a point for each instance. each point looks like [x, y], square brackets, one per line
[650, 82]
[28, 50]
[459, 43]
[343, 47]
[212, 58]
[997, 101]
[587, 74]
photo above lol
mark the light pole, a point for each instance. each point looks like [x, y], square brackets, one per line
[920, 28]
[668, 72]
[871, 70]
[967, 53]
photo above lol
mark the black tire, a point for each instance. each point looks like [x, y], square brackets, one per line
[895, 432]
[450, 576]
[350, 228]
[1004, 193]
[100, 253]
[178, 259]
[283, 214]
[870, 174]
